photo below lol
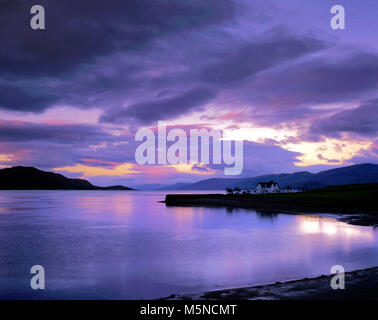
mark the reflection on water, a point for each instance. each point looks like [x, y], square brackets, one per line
[116, 245]
[332, 228]
[267, 214]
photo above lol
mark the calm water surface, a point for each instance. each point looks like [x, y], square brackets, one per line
[126, 245]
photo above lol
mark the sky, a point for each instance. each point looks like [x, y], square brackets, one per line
[273, 73]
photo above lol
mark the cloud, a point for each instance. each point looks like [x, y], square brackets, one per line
[47, 145]
[292, 92]
[362, 120]
[11, 131]
[322, 158]
[19, 98]
[200, 168]
[261, 158]
[98, 153]
[78, 32]
[370, 155]
[161, 109]
[252, 58]
[235, 64]
[99, 54]
[147, 56]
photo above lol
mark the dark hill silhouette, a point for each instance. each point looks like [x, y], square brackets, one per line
[356, 174]
[30, 178]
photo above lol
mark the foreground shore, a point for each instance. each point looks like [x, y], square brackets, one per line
[360, 284]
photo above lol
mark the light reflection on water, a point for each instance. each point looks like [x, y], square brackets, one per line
[126, 245]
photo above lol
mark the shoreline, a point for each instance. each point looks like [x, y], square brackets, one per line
[359, 284]
[349, 211]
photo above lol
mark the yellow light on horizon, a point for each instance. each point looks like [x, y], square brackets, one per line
[5, 157]
[92, 171]
[327, 150]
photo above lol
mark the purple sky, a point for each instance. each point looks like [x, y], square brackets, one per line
[271, 72]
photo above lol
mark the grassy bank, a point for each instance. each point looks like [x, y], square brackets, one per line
[359, 192]
[360, 200]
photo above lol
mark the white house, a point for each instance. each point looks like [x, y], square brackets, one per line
[267, 187]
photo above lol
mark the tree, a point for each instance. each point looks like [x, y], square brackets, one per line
[229, 191]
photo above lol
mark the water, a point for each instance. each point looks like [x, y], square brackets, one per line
[126, 245]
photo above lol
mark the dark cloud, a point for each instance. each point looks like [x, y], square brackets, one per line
[321, 157]
[361, 120]
[141, 54]
[319, 80]
[12, 131]
[199, 168]
[19, 98]
[47, 146]
[231, 68]
[98, 54]
[143, 61]
[292, 92]
[161, 109]
[244, 62]
[77, 32]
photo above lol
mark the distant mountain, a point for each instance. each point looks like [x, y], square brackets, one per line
[176, 186]
[117, 187]
[162, 187]
[360, 173]
[29, 178]
[150, 187]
